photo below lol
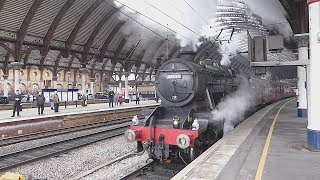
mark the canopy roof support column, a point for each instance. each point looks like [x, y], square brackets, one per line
[126, 86]
[5, 85]
[313, 76]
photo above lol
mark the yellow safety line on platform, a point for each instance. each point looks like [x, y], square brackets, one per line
[266, 146]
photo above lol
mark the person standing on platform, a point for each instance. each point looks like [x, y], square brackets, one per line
[51, 102]
[56, 102]
[111, 98]
[84, 100]
[17, 103]
[137, 98]
[40, 99]
[116, 98]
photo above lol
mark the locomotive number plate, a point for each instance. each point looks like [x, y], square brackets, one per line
[174, 76]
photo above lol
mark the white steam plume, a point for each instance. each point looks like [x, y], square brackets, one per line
[234, 46]
[272, 13]
[233, 108]
[182, 14]
[228, 51]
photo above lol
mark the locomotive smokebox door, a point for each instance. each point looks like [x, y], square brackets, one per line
[175, 82]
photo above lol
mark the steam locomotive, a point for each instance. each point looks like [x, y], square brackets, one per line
[183, 126]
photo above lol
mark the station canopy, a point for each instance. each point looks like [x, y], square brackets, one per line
[104, 36]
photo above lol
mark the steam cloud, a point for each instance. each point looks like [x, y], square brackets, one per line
[184, 13]
[233, 108]
[276, 19]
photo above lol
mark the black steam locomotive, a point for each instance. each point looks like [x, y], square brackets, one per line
[183, 126]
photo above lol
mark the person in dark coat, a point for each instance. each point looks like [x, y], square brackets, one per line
[137, 98]
[111, 96]
[56, 101]
[40, 99]
[17, 103]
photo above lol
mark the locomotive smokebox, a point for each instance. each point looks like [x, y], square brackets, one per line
[187, 55]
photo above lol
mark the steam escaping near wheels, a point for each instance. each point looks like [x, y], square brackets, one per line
[233, 107]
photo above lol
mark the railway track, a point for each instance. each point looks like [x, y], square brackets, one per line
[14, 159]
[91, 171]
[155, 170]
[61, 131]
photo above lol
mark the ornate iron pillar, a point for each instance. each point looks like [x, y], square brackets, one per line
[120, 87]
[17, 67]
[83, 72]
[101, 82]
[126, 87]
[41, 78]
[74, 83]
[5, 85]
[91, 86]
[55, 82]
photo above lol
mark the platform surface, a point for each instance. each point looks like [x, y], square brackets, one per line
[32, 113]
[238, 154]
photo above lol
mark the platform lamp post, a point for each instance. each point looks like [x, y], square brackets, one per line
[313, 75]
[103, 83]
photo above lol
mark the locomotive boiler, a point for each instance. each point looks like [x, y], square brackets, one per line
[182, 127]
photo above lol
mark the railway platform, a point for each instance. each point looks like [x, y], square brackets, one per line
[270, 144]
[30, 122]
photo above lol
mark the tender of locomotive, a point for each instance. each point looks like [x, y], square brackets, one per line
[183, 126]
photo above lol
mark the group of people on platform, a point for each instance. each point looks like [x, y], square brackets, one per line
[40, 100]
[116, 99]
[113, 99]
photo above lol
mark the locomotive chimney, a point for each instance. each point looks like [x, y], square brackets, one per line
[187, 55]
